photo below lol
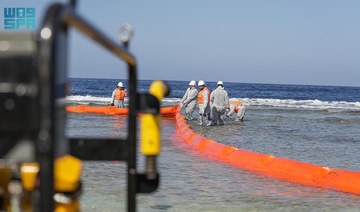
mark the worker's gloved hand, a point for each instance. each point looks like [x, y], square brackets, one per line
[181, 105]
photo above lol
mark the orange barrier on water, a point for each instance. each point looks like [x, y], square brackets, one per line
[280, 168]
[112, 110]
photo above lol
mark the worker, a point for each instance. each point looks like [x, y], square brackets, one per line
[118, 96]
[189, 100]
[238, 107]
[219, 102]
[204, 104]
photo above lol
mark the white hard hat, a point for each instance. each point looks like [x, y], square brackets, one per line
[120, 84]
[220, 83]
[201, 82]
[192, 82]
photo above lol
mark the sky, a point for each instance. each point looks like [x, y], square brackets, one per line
[311, 42]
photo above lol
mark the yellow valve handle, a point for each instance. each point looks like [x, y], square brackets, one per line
[159, 89]
[150, 124]
[67, 173]
[28, 173]
[150, 134]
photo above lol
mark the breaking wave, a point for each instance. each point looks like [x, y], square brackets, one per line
[249, 102]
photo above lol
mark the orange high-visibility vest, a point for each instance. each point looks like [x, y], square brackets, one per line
[120, 94]
[201, 97]
[237, 104]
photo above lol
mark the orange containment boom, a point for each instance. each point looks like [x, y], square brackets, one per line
[112, 110]
[280, 168]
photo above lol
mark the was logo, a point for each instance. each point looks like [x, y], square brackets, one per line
[17, 18]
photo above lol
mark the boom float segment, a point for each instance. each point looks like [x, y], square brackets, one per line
[112, 110]
[269, 165]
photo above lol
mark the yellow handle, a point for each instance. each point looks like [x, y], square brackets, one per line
[150, 134]
[29, 172]
[67, 173]
[159, 89]
[150, 123]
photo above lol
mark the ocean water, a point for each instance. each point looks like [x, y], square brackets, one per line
[314, 124]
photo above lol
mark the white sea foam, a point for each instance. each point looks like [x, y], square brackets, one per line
[304, 104]
[277, 103]
[87, 100]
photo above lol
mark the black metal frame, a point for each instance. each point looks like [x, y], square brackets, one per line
[52, 60]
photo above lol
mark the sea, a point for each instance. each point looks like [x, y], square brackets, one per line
[309, 123]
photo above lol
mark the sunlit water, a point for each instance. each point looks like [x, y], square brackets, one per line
[318, 137]
[314, 124]
[192, 182]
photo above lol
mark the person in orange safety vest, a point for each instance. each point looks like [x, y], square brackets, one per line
[204, 104]
[118, 96]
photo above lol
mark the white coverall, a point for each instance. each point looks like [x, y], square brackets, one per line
[189, 101]
[237, 107]
[204, 108]
[219, 101]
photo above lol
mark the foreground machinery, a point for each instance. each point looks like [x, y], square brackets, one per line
[40, 168]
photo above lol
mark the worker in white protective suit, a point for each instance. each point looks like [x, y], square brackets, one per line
[189, 100]
[204, 104]
[238, 107]
[219, 102]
